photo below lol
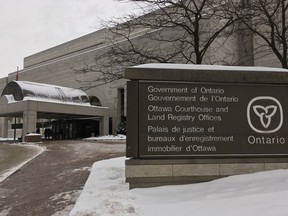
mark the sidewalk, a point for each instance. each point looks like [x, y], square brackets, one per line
[14, 155]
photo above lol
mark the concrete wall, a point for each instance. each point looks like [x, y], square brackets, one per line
[150, 173]
[85, 43]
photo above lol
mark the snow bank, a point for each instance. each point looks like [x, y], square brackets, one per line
[118, 137]
[106, 193]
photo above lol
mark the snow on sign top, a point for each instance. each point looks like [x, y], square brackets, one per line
[208, 67]
[207, 73]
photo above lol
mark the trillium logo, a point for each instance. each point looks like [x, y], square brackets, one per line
[265, 114]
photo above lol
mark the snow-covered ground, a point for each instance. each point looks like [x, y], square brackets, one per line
[118, 137]
[106, 193]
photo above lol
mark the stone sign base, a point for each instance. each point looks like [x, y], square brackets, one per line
[151, 173]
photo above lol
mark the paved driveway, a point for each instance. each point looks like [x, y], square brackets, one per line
[50, 183]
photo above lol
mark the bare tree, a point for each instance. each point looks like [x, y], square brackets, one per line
[169, 31]
[268, 22]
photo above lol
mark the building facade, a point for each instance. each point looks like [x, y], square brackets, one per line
[60, 65]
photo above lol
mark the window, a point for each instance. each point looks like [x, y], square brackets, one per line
[94, 101]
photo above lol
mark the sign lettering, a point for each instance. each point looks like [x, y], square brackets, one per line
[204, 119]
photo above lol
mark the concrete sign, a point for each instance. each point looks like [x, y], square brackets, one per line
[195, 123]
[210, 119]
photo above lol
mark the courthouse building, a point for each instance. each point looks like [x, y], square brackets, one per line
[58, 66]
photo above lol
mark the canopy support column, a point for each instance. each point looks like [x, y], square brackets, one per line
[104, 126]
[5, 127]
[29, 121]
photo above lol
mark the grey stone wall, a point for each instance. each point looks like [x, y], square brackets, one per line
[151, 173]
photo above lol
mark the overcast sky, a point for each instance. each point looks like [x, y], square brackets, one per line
[30, 26]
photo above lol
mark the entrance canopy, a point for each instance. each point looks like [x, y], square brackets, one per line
[24, 90]
[36, 100]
